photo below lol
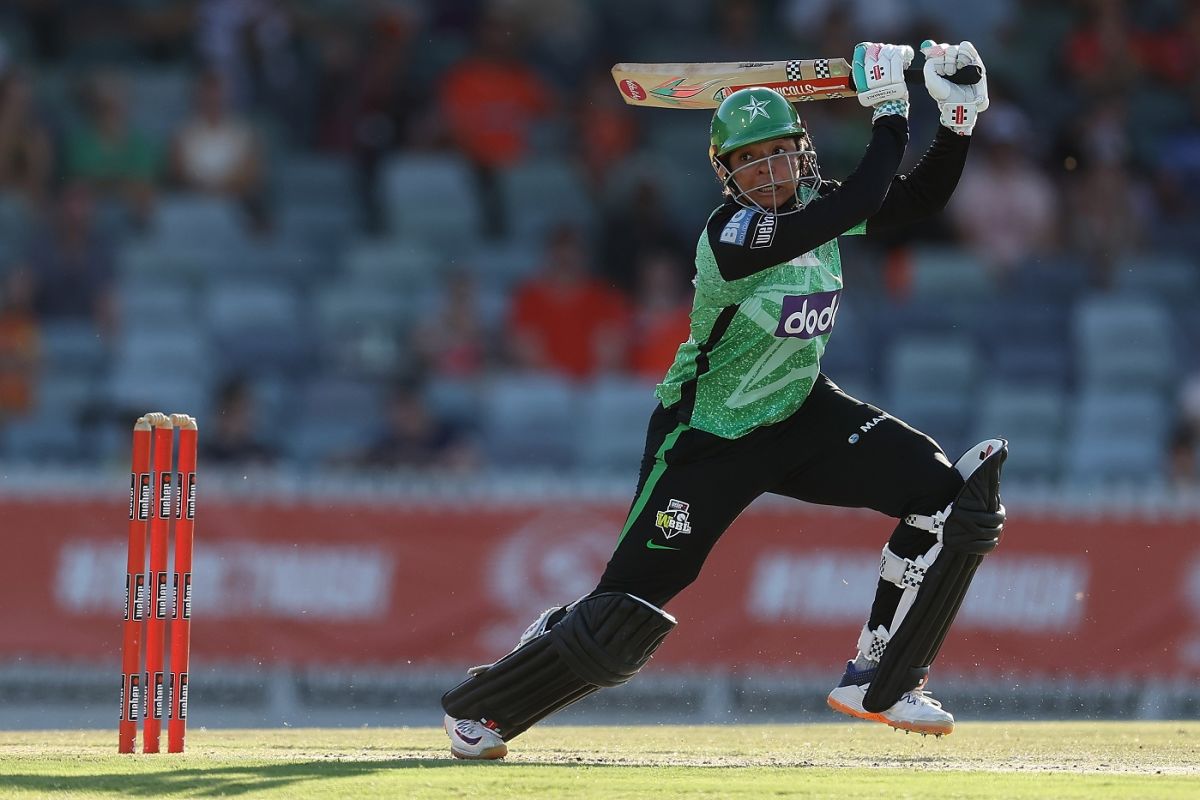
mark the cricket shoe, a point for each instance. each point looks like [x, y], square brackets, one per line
[915, 711]
[473, 740]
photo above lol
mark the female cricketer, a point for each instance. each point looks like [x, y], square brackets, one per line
[745, 410]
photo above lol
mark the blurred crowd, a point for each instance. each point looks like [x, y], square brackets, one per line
[1088, 159]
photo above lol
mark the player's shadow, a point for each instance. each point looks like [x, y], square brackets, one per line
[206, 781]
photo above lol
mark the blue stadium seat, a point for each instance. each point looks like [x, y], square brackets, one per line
[74, 346]
[433, 199]
[504, 264]
[324, 227]
[44, 436]
[259, 302]
[335, 419]
[319, 179]
[1171, 278]
[1122, 339]
[153, 258]
[612, 419]
[285, 259]
[1116, 436]
[928, 365]
[949, 273]
[409, 265]
[538, 195]
[132, 389]
[356, 306]
[155, 302]
[528, 421]
[184, 220]
[65, 393]
[1032, 418]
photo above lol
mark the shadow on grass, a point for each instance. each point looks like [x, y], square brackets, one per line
[213, 781]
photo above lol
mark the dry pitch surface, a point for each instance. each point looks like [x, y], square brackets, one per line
[846, 761]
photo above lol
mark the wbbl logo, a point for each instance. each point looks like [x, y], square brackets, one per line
[674, 520]
[808, 316]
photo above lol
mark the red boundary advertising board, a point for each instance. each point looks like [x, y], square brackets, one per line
[354, 585]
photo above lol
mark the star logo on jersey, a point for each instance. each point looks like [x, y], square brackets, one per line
[755, 107]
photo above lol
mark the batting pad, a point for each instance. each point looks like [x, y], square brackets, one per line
[970, 531]
[604, 641]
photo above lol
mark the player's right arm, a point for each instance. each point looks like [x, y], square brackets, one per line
[745, 242]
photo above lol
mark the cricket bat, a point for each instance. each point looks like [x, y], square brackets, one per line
[705, 85]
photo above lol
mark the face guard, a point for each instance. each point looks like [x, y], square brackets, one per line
[759, 114]
[790, 182]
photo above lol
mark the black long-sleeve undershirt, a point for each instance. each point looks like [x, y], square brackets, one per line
[873, 193]
[925, 190]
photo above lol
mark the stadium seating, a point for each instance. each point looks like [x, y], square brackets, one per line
[613, 414]
[433, 199]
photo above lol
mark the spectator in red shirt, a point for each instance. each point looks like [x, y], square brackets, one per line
[661, 315]
[564, 320]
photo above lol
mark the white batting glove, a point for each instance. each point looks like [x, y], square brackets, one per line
[879, 77]
[959, 105]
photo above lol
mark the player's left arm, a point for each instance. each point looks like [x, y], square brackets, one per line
[927, 188]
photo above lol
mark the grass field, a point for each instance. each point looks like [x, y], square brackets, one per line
[846, 761]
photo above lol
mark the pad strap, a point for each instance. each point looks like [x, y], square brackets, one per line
[903, 572]
[872, 643]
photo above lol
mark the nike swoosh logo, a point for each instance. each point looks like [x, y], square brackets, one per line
[652, 546]
[468, 739]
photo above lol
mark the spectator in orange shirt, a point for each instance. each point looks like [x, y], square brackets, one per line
[490, 99]
[661, 315]
[489, 102]
[564, 320]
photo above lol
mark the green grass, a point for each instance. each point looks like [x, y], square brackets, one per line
[844, 761]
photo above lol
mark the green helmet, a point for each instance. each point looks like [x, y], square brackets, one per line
[754, 114]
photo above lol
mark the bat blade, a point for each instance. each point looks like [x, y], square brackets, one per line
[705, 85]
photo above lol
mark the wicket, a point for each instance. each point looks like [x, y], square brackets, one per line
[150, 513]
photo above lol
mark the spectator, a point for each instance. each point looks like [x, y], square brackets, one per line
[416, 439]
[233, 437]
[1103, 199]
[565, 321]
[491, 99]
[605, 132]
[217, 152]
[1005, 208]
[489, 102]
[72, 263]
[634, 229]
[1183, 457]
[19, 344]
[453, 341]
[109, 156]
[26, 152]
[661, 315]
[366, 97]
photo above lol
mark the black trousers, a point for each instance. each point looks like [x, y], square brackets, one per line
[835, 450]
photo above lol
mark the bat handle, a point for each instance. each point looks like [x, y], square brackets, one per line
[965, 76]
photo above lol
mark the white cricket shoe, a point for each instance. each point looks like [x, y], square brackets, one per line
[915, 711]
[473, 740]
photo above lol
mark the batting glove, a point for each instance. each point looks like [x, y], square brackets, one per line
[959, 105]
[879, 77]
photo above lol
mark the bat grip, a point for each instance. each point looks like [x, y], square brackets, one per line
[965, 76]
